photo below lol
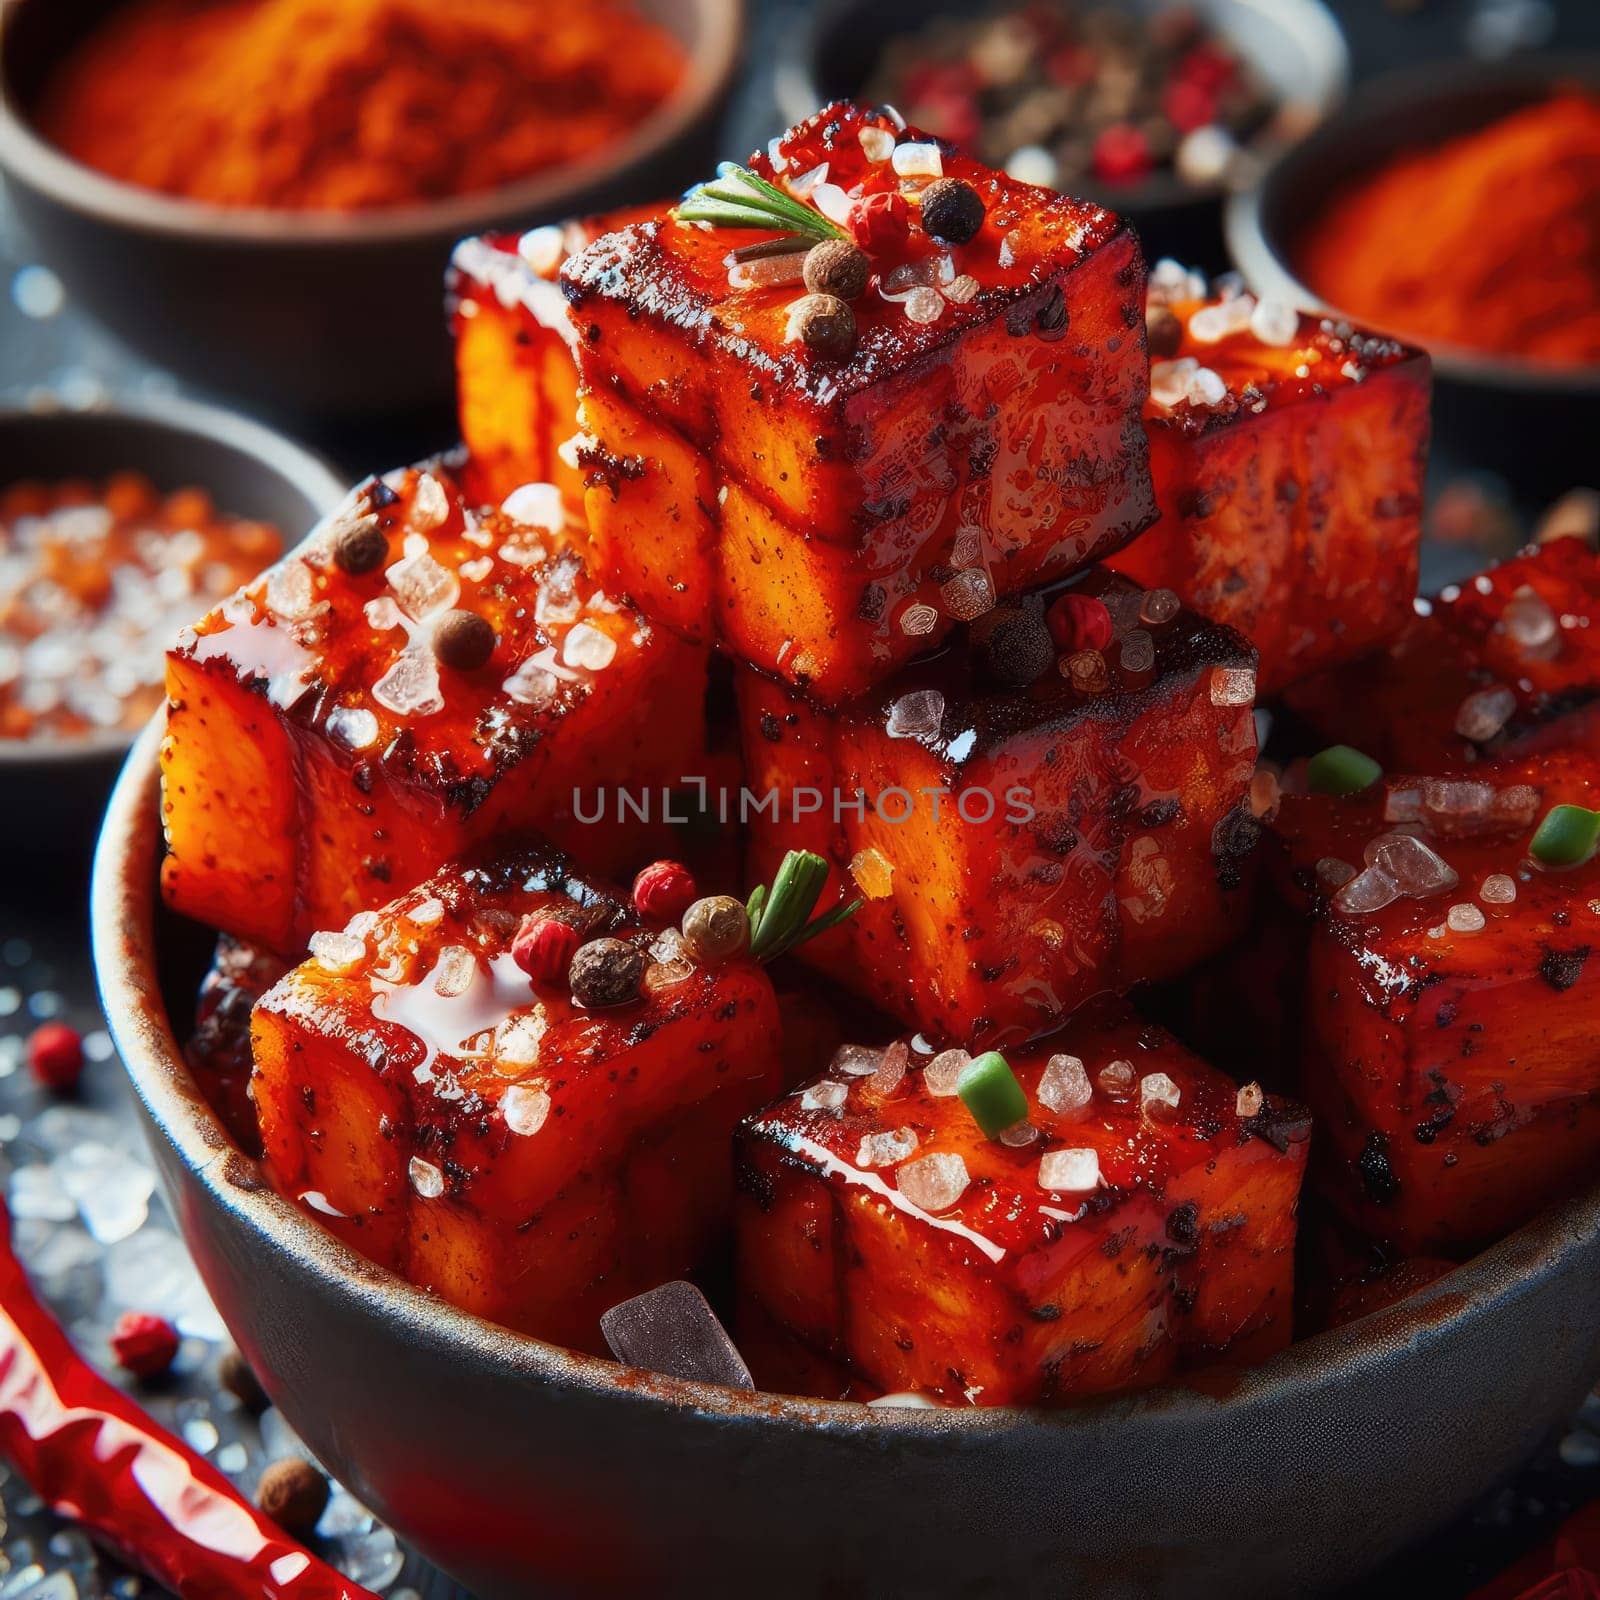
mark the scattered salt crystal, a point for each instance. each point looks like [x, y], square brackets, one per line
[877, 144]
[924, 305]
[963, 289]
[919, 619]
[802, 183]
[1499, 889]
[518, 1040]
[1415, 869]
[382, 614]
[543, 249]
[1368, 891]
[1275, 322]
[1019, 1135]
[536, 505]
[915, 714]
[873, 872]
[291, 588]
[855, 1060]
[455, 971]
[833, 202]
[1484, 713]
[1064, 1085]
[918, 161]
[1158, 1094]
[525, 1106]
[1087, 670]
[1169, 380]
[430, 505]
[476, 570]
[426, 1178]
[1214, 323]
[1233, 686]
[941, 1075]
[968, 594]
[353, 726]
[1070, 1171]
[423, 586]
[410, 688]
[337, 952]
[887, 1149]
[1205, 156]
[1032, 163]
[1332, 873]
[1464, 917]
[1529, 620]
[768, 272]
[426, 912]
[1205, 388]
[934, 1182]
[1138, 652]
[1159, 606]
[1402, 804]
[1117, 1079]
[890, 1072]
[825, 1096]
[531, 685]
[1249, 1101]
[587, 647]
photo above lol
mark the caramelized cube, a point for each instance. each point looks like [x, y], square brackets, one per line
[1020, 849]
[828, 517]
[218, 1051]
[322, 751]
[1505, 660]
[1291, 494]
[1449, 1000]
[492, 1140]
[884, 1234]
[517, 385]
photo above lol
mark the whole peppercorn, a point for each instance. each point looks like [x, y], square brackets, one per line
[824, 324]
[544, 948]
[716, 928]
[238, 1377]
[837, 267]
[360, 547]
[463, 641]
[294, 1494]
[878, 222]
[1079, 622]
[606, 972]
[1017, 647]
[144, 1344]
[55, 1056]
[664, 889]
[1163, 333]
[951, 211]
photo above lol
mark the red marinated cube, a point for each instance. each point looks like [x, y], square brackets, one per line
[218, 1051]
[1288, 456]
[484, 1134]
[1020, 849]
[327, 743]
[827, 516]
[1142, 1222]
[1449, 999]
[1509, 657]
[516, 381]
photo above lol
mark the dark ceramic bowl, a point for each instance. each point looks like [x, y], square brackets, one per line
[53, 791]
[523, 1468]
[1525, 420]
[1295, 45]
[305, 314]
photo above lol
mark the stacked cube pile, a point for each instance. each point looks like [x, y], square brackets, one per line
[996, 581]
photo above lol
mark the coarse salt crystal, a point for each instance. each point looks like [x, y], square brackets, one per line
[1368, 891]
[1249, 1101]
[354, 727]
[1214, 323]
[942, 1074]
[890, 1072]
[456, 969]
[1070, 1171]
[877, 144]
[1416, 869]
[1499, 889]
[825, 1096]
[919, 619]
[337, 952]
[1064, 1085]
[1169, 380]
[855, 1060]
[1117, 1079]
[1158, 1094]
[426, 1178]
[1233, 686]
[915, 714]
[1158, 606]
[933, 1182]
[526, 1107]
[382, 614]
[543, 249]
[422, 586]
[1464, 917]
[1483, 714]
[963, 289]
[1275, 322]
[536, 505]
[1019, 1135]
[426, 912]
[1529, 620]
[924, 305]
[531, 685]
[918, 161]
[589, 648]
[410, 688]
[430, 505]
[887, 1149]
[1205, 387]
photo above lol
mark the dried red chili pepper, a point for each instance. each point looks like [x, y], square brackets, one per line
[92, 1454]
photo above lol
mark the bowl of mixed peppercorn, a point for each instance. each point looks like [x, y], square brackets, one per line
[1153, 108]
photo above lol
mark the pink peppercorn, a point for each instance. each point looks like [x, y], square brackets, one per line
[879, 221]
[144, 1344]
[544, 948]
[1122, 154]
[55, 1056]
[1079, 622]
[664, 890]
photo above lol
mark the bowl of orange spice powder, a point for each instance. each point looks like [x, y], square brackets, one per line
[262, 194]
[1458, 208]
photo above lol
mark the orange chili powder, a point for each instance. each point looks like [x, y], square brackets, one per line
[350, 105]
[1489, 242]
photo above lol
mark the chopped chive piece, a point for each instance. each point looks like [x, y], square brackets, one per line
[737, 198]
[780, 916]
[990, 1091]
[1341, 770]
[1567, 837]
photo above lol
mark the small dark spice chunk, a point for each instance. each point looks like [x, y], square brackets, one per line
[825, 325]
[360, 547]
[294, 1494]
[463, 641]
[951, 211]
[606, 972]
[837, 267]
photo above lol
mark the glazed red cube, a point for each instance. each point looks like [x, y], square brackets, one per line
[319, 756]
[218, 1051]
[486, 1136]
[1052, 841]
[1449, 1043]
[1508, 657]
[516, 382]
[829, 517]
[1291, 491]
[885, 1236]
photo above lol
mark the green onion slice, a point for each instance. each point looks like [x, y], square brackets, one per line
[1341, 770]
[990, 1091]
[1567, 837]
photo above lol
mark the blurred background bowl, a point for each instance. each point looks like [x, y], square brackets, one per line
[1296, 48]
[303, 314]
[1516, 418]
[52, 791]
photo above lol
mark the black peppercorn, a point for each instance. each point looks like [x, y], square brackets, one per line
[463, 641]
[1163, 333]
[294, 1494]
[824, 324]
[837, 267]
[951, 211]
[1016, 646]
[606, 972]
[360, 547]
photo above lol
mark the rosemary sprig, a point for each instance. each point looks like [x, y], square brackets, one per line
[780, 916]
[737, 198]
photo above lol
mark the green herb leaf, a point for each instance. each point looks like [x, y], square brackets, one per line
[737, 198]
[780, 916]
